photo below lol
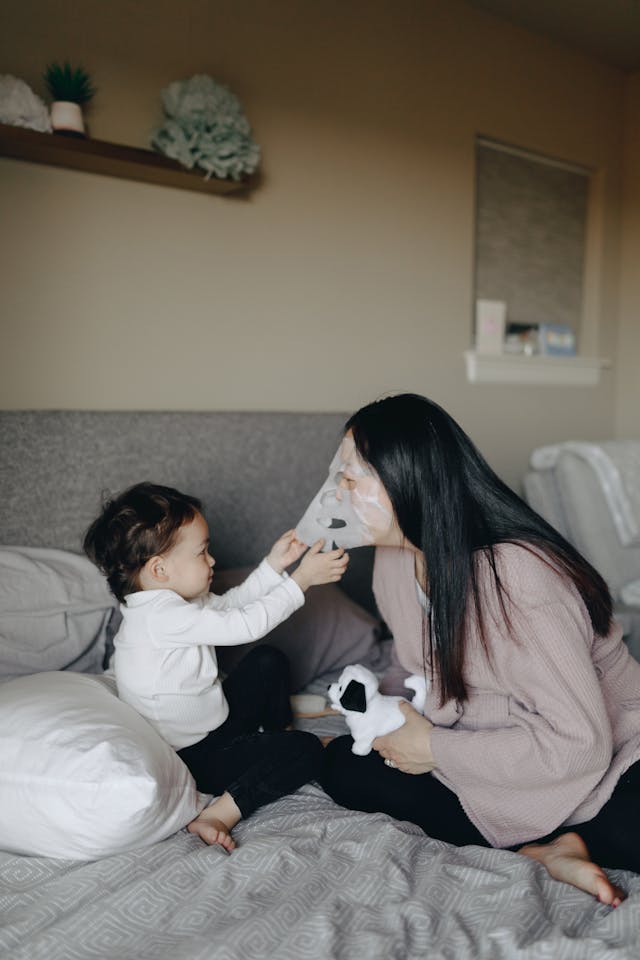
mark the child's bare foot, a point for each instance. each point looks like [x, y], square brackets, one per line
[567, 859]
[212, 831]
[325, 740]
[216, 821]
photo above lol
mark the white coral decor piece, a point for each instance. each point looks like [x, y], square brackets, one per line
[206, 127]
[21, 107]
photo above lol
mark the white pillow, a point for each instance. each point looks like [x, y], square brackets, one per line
[54, 610]
[82, 775]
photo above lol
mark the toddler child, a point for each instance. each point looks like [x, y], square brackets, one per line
[152, 543]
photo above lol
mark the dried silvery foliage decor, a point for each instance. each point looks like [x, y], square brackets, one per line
[206, 127]
[21, 107]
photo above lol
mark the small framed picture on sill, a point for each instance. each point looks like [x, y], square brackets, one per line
[557, 340]
[491, 317]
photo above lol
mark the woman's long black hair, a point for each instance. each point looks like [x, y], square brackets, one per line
[449, 504]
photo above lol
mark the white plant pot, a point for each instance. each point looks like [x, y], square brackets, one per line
[67, 116]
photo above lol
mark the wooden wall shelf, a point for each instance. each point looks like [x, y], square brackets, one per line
[110, 159]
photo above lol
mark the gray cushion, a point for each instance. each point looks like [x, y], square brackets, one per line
[55, 608]
[328, 632]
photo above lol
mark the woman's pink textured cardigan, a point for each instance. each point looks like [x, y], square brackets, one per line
[553, 715]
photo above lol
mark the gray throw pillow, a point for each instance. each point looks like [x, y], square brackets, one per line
[327, 633]
[55, 609]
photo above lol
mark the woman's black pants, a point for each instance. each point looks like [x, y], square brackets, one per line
[365, 783]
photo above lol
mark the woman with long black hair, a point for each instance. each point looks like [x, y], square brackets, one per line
[531, 734]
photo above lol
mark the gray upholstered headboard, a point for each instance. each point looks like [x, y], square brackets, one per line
[255, 472]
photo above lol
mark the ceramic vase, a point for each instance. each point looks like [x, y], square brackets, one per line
[66, 117]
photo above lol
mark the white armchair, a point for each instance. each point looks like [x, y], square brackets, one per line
[591, 494]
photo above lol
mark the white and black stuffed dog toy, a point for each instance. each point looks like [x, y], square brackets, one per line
[369, 713]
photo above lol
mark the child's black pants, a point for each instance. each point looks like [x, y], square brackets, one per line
[251, 755]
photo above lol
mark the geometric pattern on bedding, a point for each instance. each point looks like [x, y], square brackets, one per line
[308, 880]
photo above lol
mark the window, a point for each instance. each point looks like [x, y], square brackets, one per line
[531, 215]
[530, 240]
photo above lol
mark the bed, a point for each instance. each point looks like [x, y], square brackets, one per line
[308, 879]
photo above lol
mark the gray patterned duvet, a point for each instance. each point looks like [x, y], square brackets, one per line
[308, 880]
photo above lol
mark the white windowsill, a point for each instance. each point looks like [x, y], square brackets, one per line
[515, 368]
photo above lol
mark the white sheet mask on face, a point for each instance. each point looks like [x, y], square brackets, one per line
[347, 517]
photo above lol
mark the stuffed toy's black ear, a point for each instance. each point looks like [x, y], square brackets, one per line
[354, 698]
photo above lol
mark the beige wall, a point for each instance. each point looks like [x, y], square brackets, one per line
[349, 272]
[627, 420]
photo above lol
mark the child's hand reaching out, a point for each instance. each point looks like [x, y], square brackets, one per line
[285, 551]
[316, 568]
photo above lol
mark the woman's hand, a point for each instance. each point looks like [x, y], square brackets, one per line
[409, 747]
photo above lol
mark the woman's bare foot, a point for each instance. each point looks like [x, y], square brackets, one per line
[567, 859]
[216, 821]
[212, 831]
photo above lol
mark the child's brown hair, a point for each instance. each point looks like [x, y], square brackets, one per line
[140, 523]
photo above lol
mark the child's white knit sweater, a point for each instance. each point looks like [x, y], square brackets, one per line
[165, 659]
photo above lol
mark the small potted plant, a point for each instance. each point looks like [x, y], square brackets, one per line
[70, 89]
